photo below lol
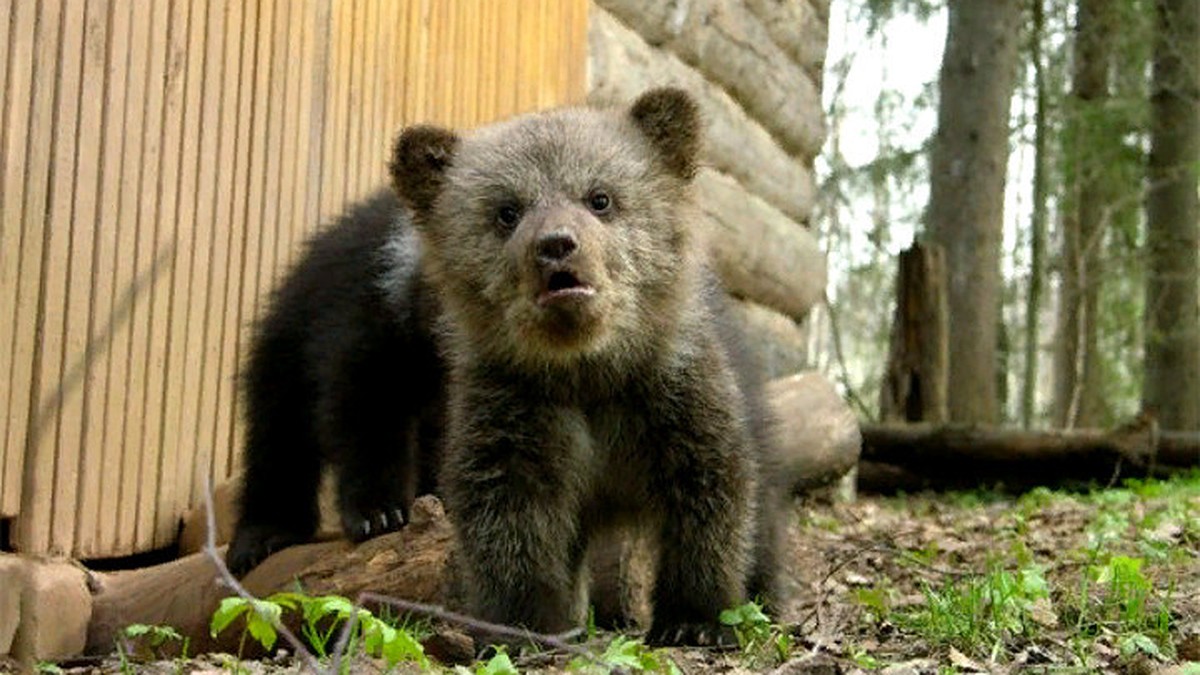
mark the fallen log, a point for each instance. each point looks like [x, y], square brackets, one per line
[817, 435]
[409, 564]
[915, 456]
[819, 440]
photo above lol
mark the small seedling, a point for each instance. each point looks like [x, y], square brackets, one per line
[756, 634]
[752, 626]
[628, 655]
[499, 664]
[322, 616]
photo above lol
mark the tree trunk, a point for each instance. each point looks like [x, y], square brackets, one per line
[914, 383]
[969, 159]
[1171, 389]
[1037, 225]
[1078, 391]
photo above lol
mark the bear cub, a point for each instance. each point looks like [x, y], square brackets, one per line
[593, 379]
[343, 369]
[536, 336]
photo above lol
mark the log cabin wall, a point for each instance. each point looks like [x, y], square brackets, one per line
[160, 164]
[755, 68]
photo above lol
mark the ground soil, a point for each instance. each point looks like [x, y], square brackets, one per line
[862, 571]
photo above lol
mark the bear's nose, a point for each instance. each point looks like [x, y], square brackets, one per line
[556, 247]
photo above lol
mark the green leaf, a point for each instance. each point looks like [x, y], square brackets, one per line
[402, 646]
[229, 609]
[136, 630]
[1136, 642]
[499, 664]
[288, 599]
[261, 622]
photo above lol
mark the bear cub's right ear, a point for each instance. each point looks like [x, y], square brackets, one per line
[420, 158]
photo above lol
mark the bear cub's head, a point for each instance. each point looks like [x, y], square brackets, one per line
[562, 233]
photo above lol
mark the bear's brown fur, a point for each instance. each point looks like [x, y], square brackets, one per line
[594, 381]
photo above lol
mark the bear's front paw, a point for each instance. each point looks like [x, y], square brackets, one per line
[253, 544]
[692, 634]
[362, 524]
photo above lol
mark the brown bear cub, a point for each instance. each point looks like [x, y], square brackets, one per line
[593, 380]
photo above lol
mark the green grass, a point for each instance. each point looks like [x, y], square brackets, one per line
[1113, 580]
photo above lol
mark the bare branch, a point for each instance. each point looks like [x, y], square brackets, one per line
[230, 581]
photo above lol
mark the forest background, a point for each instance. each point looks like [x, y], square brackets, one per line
[1093, 221]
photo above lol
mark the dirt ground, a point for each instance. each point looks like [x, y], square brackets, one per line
[1092, 581]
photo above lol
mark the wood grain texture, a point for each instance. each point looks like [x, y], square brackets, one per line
[161, 164]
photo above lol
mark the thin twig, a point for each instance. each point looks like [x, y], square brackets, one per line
[210, 549]
[836, 335]
[558, 641]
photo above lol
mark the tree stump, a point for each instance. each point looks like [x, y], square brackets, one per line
[914, 385]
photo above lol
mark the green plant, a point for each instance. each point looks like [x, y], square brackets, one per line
[752, 626]
[47, 668]
[864, 660]
[755, 632]
[155, 637]
[1130, 608]
[629, 655]
[876, 600]
[152, 638]
[322, 616]
[978, 614]
[499, 664]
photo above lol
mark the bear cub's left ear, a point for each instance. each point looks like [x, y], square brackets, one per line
[420, 157]
[670, 120]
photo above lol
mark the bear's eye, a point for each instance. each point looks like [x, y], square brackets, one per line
[599, 202]
[508, 215]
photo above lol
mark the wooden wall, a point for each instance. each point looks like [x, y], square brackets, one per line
[160, 163]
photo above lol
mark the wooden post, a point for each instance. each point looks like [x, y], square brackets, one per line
[914, 385]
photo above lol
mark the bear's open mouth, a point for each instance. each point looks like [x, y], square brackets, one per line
[563, 285]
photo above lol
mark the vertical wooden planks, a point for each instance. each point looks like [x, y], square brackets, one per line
[202, 346]
[289, 122]
[123, 254]
[92, 296]
[141, 411]
[10, 244]
[20, 254]
[241, 232]
[507, 60]
[156, 462]
[56, 131]
[160, 165]
[162, 487]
